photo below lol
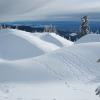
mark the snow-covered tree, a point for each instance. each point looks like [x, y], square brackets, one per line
[46, 28]
[97, 32]
[84, 28]
[98, 91]
[16, 27]
[0, 27]
[54, 29]
[98, 60]
[50, 29]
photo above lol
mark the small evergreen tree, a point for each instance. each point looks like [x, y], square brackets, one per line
[84, 29]
[98, 91]
[98, 60]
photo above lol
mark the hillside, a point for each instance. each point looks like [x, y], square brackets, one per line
[53, 38]
[67, 73]
[89, 38]
[76, 63]
[16, 44]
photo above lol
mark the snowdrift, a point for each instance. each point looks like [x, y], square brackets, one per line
[54, 38]
[77, 63]
[72, 70]
[89, 38]
[74, 63]
[16, 44]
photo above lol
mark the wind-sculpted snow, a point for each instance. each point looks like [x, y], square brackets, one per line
[89, 38]
[30, 71]
[16, 44]
[54, 38]
[76, 63]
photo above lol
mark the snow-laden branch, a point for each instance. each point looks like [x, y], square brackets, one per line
[98, 91]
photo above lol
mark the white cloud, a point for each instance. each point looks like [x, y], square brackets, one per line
[11, 10]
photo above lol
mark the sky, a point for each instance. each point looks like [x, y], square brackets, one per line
[38, 10]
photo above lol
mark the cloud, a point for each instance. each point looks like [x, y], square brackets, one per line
[12, 10]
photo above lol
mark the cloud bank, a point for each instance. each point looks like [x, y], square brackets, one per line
[19, 10]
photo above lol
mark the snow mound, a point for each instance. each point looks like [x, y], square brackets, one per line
[70, 70]
[16, 44]
[89, 38]
[53, 38]
[77, 63]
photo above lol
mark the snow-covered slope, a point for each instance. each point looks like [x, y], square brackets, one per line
[16, 44]
[76, 63]
[70, 73]
[89, 38]
[54, 38]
